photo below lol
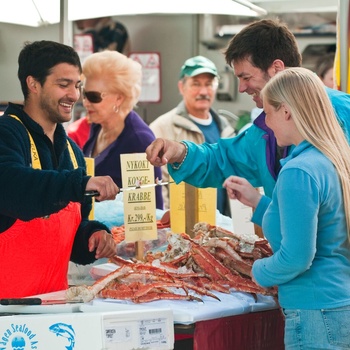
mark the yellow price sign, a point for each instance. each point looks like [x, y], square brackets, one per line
[90, 170]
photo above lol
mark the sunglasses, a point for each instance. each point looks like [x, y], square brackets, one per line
[93, 96]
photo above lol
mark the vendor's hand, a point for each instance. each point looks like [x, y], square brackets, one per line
[104, 244]
[104, 185]
[163, 151]
[239, 188]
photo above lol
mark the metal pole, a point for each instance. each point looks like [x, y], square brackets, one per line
[343, 19]
[66, 30]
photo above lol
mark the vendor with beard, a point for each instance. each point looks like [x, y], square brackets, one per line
[44, 210]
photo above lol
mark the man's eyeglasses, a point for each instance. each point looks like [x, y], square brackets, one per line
[93, 96]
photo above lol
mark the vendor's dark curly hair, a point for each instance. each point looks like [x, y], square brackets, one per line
[39, 57]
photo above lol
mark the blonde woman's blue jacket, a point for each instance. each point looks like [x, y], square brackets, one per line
[305, 224]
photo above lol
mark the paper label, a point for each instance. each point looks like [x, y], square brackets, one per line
[241, 218]
[140, 204]
[153, 332]
[116, 333]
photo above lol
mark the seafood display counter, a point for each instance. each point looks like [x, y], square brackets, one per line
[194, 294]
[213, 300]
[235, 322]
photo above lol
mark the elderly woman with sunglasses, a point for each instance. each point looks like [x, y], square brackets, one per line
[112, 86]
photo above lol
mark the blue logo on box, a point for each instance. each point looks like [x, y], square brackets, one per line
[20, 337]
[66, 331]
[18, 343]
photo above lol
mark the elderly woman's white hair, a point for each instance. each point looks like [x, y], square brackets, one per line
[120, 73]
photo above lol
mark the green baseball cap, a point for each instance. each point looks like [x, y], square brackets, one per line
[198, 65]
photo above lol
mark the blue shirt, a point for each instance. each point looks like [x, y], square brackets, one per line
[211, 132]
[306, 226]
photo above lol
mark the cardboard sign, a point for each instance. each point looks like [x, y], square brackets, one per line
[139, 205]
[241, 218]
[90, 170]
[151, 82]
[84, 45]
[191, 205]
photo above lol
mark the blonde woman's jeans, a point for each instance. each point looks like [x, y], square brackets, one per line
[317, 329]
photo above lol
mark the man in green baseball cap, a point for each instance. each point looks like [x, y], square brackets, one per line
[194, 119]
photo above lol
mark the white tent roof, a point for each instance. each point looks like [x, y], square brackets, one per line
[40, 12]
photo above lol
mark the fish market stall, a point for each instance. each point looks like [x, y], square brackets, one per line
[234, 312]
[199, 286]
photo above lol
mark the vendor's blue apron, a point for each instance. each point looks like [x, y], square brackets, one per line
[34, 255]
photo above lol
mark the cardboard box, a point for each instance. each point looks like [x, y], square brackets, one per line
[122, 330]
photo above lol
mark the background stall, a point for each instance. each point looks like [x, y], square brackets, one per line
[173, 36]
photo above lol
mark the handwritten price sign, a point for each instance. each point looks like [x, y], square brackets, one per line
[140, 204]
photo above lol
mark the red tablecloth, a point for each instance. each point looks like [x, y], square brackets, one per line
[252, 331]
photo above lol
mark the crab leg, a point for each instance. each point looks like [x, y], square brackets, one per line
[200, 290]
[87, 293]
[169, 296]
[211, 285]
[152, 270]
[235, 266]
[120, 261]
[118, 291]
[148, 288]
[210, 264]
[133, 277]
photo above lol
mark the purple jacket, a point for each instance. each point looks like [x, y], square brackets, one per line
[135, 138]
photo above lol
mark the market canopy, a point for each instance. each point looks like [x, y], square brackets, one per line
[297, 6]
[37, 13]
[43, 12]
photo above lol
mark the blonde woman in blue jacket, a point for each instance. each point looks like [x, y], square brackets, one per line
[307, 221]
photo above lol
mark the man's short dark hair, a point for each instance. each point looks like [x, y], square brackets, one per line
[36, 59]
[262, 42]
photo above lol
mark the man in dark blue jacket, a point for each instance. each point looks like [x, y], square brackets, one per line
[43, 208]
